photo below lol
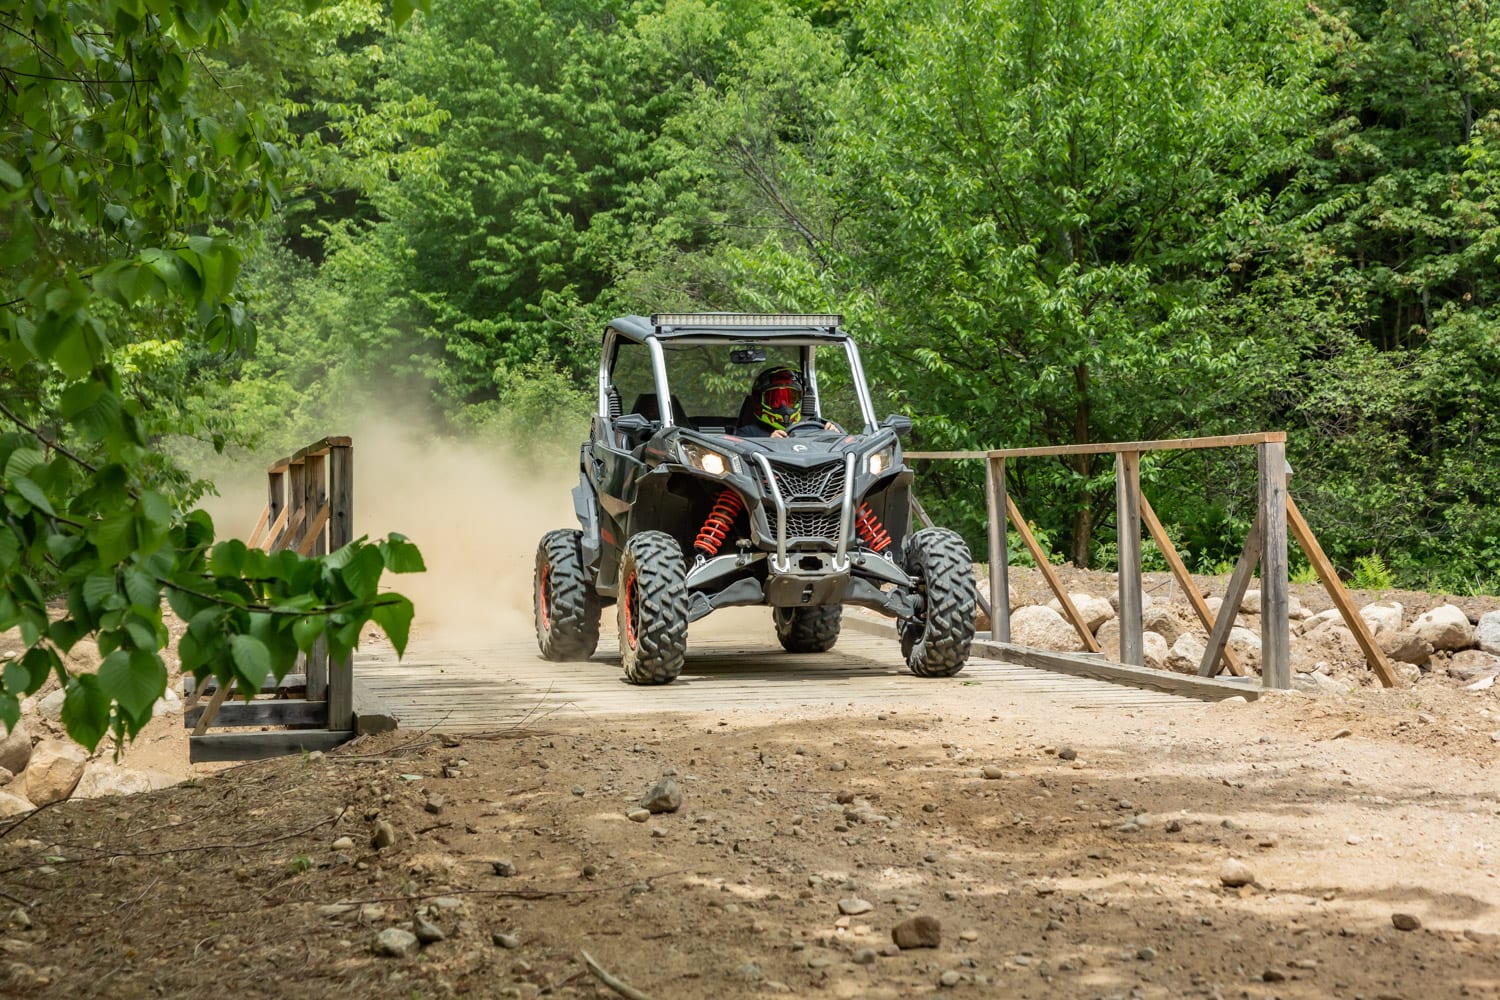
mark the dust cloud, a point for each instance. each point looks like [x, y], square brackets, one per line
[474, 508]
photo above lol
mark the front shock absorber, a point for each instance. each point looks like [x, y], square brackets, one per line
[870, 530]
[716, 527]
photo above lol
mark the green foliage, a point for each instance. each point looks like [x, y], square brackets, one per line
[1371, 573]
[129, 194]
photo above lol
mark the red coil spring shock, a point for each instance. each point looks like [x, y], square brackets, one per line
[871, 531]
[716, 528]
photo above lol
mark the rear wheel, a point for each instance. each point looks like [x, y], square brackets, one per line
[808, 630]
[565, 605]
[936, 643]
[653, 609]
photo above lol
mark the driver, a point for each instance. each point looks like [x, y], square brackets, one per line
[775, 404]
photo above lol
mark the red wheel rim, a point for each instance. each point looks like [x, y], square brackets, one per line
[630, 609]
[544, 597]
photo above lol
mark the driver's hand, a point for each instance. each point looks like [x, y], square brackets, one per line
[830, 426]
[778, 433]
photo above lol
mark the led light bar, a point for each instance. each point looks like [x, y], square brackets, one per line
[733, 321]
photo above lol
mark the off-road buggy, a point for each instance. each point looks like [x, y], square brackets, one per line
[684, 511]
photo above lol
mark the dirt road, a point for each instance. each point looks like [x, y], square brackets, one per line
[1065, 848]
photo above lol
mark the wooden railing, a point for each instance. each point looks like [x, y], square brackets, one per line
[1265, 545]
[310, 509]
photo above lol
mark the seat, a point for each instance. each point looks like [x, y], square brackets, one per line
[646, 405]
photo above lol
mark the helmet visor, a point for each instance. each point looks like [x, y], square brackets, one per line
[782, 398]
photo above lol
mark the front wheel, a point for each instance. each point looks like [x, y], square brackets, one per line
[564, 604]
[808, 630]
[936, 643]
[653, 609]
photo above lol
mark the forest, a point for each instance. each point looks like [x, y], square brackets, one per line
[228, 224]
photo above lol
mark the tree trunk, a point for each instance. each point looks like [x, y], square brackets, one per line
[1083, 515]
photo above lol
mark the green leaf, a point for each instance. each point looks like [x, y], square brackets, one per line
[96, 588]
[227, 558]
[402, 556]
[252, 661]
[85, 711]
[92, 408]
[362, 574]
[34, 494]
[114, 537]
[306, 630]
[394, 617]
[135, 679]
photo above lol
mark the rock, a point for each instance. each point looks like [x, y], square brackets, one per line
[1154, 650]
[434, 804]
[864, 956]
[1067, 753]
[1233, 873]
[1406, 646]
[55, 769]
[950, 978]
[1042, 628]
[510, 942]
[992, 772]
[664, 797]
[1405, 921]
[1321, 618]
[504, 867]
[384, 836]
[13, 805]
[1214, 605]
[1164, 622]
[854, 906]
[1487, 632]
[393, 942]
[1384, 616]
[1186, 654]
[1095, 610]
[168, 704]
[1446, 627]
[343, 844]
[1147, 601]
[101, 778]
[637, 815]
[920, 931]
[50, 707]
[1246, 645]
[1469, 664]
[1108, 638]
[1250, 603]
[428, 932]
[15, 749]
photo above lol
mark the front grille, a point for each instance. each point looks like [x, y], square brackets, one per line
[820, 484]
[801, 524]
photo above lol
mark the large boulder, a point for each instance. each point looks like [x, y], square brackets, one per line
[1250, 605]
[1471, 664]
[1446, 627]
[1154, 650]
[1186, 654]
[1042, 628]
[1166, 622]
[1246, 645]
[1095, 610]
[101, 778]
[1487, 634]
[1321, 618]
[15, 749]
[55, 769]
[1405, 646]
[1384, 616]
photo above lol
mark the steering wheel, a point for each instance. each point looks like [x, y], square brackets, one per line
[805, 428]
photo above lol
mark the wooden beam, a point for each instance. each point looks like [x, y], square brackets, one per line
[1185, 581]
[1128, 576]
[260, 525]
[265, 712]
[1069, 610]
[212, 709]
[1112, 447]
[340, 690]
[1275, 631]
[1331, 583]
[258, 746]
[1081, 665]
[291, 682]
[269, 542]
[1244, 569]
[995, 497]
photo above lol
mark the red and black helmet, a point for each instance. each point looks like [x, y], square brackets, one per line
[778, 397]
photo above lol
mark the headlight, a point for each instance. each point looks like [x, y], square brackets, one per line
[877, 463]
[706, 460]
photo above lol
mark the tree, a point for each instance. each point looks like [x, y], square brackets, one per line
[128, 194]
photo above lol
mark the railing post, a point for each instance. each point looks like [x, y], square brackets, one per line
[340, 533]
[994, 494]
[1275, 631]
[314, 495]
[1128, 519]
[275, 503]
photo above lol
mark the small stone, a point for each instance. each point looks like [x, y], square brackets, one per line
[921, 931]
[343, 844]
[864, 956]
[427, 932]
[435, 804]
[385, 835]
[393, 942]
[951, 977]
[968, 934]
[992, 772]
[1273, 976]
[335, 909]
[1234, 873]
[838, 765]
[504, 867]
[508, 941]
[1174, 826]
[1147, 954]
[577, 789]
[1405, 921]
[637, 815]
[891, 950]
[854, 906]
[664, 797]
[1067, 753]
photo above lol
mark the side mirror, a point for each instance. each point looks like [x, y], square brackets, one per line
[898, 423]
[633, 424]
